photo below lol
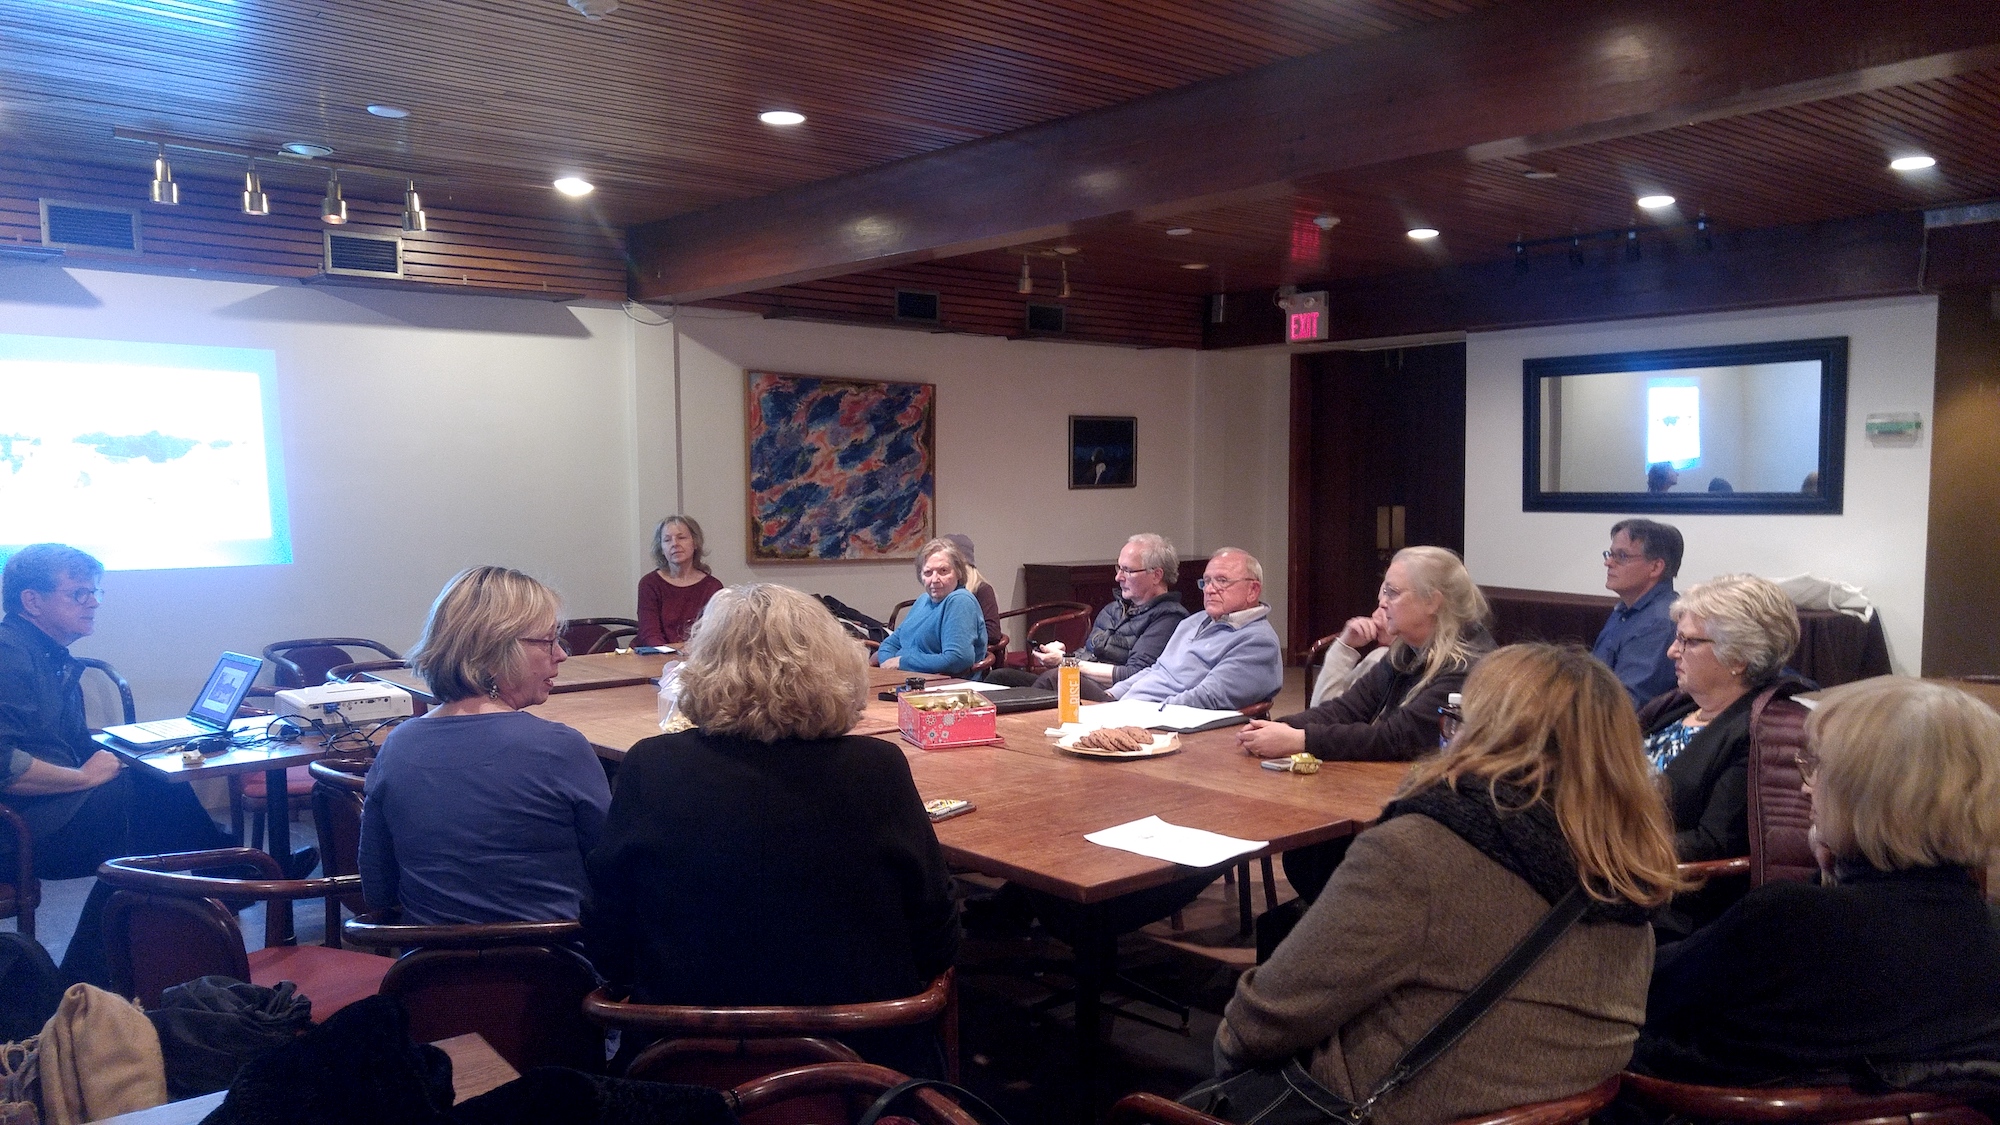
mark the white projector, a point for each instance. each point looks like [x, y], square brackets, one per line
[352, 703]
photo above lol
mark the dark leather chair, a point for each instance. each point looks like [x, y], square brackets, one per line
[1807, 1105]
[1152, 1109]
[131, 712]
[20, 891]
[583, 635]
[852, 1086]
[937, 1004]
[338, 784]
[1068, 622]
[520, 985]
[1780, 812]
[164, 926]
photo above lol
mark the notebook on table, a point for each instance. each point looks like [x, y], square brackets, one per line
[213, 708]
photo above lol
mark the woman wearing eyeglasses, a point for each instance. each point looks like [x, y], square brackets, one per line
[1733, 635]
[478, 811]
[1893, 961]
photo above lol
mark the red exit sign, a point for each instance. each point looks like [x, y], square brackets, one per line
[1305, 317]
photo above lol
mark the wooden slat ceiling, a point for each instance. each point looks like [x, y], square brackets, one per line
[656, 104]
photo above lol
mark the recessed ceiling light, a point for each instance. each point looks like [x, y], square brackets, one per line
[782, 117]
[1913, 163]
[305, 148]
[1326, 222]
[1195, 266]
[388, 111]
[1179, 232]
[1423, 234]
[1066, 250]
[1655, 202]
[1539, 174]
[573, 185]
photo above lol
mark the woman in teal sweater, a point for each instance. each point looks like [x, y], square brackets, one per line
[944, 631]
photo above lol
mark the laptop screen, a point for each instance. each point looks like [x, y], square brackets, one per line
[225, 689]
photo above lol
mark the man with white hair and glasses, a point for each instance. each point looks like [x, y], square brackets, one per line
[1225, 658]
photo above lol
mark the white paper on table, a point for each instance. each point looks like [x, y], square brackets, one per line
[1152, 716]
[1156, 839]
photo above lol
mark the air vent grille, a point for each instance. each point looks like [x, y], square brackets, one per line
[364, 255]
[1045, 318]
[913, 304]
[95, 228]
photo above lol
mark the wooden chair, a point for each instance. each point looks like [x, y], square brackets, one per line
[20, 891]
[582, 635]
[856, 1084]
[306, 662]
[520, 985]
[129, 710]
[164, 927]
[937, 1004]
[338, 784]
[1805, 1105]
[1152, 1109]
[1316, 662]
[1068, 622]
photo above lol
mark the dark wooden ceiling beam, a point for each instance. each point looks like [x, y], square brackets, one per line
[1514, 80]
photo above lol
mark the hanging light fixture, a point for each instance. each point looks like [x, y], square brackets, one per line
[413, 211]
[1065, 279]
[333, 209]
[255, 202]
[1027, 283]
[165, 190]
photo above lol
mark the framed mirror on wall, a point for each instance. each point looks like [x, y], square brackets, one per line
[1739, 428]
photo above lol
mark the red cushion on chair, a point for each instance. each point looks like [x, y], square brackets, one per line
[331, 978]
[298, 783]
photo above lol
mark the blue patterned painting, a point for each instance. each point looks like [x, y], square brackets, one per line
[840, 468]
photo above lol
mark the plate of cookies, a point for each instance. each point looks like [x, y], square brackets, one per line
[1120, 742]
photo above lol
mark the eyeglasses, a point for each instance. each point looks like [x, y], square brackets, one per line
[82, 595]
[1808, 763]
[1127, 571]
[1685, 641]
[1207, 583]
[1389, 593]
[1622, 557]
[549, 643]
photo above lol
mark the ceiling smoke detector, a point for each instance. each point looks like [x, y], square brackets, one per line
[594, 10]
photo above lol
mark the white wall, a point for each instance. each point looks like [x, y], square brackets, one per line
[424, 433]
[1877, 543]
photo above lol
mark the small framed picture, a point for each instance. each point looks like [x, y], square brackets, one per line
[1103, 452]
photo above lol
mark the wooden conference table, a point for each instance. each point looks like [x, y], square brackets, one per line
[1035, 803]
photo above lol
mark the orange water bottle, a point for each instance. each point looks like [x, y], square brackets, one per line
[1069, 691]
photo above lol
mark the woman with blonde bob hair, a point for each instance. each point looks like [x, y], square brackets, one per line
[1543, 789]
[478, 811]
[1893, 961]
[766, 856]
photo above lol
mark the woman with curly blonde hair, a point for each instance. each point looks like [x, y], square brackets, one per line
[766, 856]
[1544, 789]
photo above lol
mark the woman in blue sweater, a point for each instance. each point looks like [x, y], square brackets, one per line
[944, 631]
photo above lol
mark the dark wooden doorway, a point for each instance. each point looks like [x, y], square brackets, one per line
[1378, 463]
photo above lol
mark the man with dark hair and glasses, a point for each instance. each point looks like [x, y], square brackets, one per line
[1226, 658]
[1645, 556]
[79, 808]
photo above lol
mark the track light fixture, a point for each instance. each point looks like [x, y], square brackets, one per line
[1520, 256]
[413, 211]
[1633, 251]
[1704, 240]
[333, 209]
[165, 190]
[1027, 283]
[255, 202]
[1576, 252]
[1065, 280]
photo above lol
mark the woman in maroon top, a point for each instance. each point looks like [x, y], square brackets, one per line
[671, 597]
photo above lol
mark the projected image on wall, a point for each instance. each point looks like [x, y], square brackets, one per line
[148, 456]
[1673, 422]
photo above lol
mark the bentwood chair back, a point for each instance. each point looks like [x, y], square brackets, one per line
[937, 1004]
[127, 709]
[583, 635]
[850, 1085]
[1068, 622]
[1804, 1105]
[520, 985]
[1152, 1109]
[1780, 812]
[20, 891]
[164, 926]
[305, 662]
[338, 785]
